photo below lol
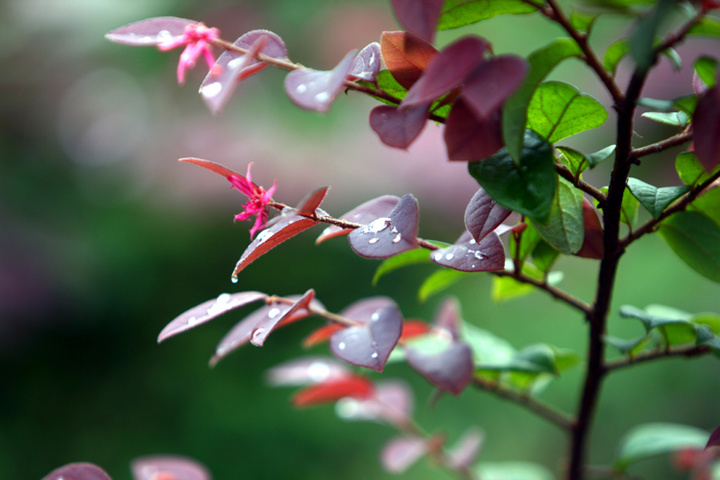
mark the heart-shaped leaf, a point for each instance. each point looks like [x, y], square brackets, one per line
[466, 451]
[447, 70]
[77, 471]
[695, 238]
[653, 439]
[401, 452]
[307, 370]
[207, 311]
[151, 31]
[483, 215]
[367, 63]
[362, 310]
[706, 126]
[398, 127]
[370, 344]
[467, 255]
[311, 202]
[388, 236]
[564, 227]
[654, 199]
[406, 56]
[451, 369]
[458, 13]
[232, 67]
[362, 214]
[469, 137]
[314, 89]
[491, 82]
[418, 16]
[170, 467]
[352, 386]
[268, 323]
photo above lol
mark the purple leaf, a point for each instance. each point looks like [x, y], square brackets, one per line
[311, 202]
[419, 16]
[268, 323]
[231, 67]
[207, 311]
[367, 63]
[483, 215]
[77, 471]
[469, 137]
[315, 90]
[168, 467]
[448, 317]
[391, 402]
[388, 236]
[465, 452]
[307, 370]
[398, 127]
[362, 214]
[491, 82]
[451, 369]
[706, 125]
[447, 70]
[284, 228]
[401, 452]
[370, 344]
[467, 255]
[714, 440]
[151, 31]
[362, 310]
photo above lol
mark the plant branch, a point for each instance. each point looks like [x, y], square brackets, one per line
[658, 147]
[689, 352]
[548, 412]
[567, 174]
[543, 285]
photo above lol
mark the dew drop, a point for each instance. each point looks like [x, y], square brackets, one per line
[220, 305]
[472, 266]
[164, 36]
[373, 240]
[341, 346]
[234, 279]
[211, 90]
[375, 317]
[374, 355]
[479, 255]
[302, 88]
[473, 242]
[372, 58]
[192, 321]
[274, 312]
[322, 97]
[257, 334]
[437, 256]
[237, 62]
[377, 225]
[449, 256]
[263, 236]
[397, 238]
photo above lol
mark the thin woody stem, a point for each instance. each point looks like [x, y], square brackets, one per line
[658, 147]
[688, 352]
[565, 172]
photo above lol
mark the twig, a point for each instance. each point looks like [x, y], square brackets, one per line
[543, 285]
[693, 351]
[550, 413]
[658, 147]
[567, 174]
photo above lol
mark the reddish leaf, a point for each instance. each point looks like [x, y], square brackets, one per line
[369, 345]
[593, 246]
[413, 328]
[391, 402]
[311, 202]
[406, 56]
[315, 90]
[714, 440]
[464, 454]
[467, 255]
[307, 370]
[286, 227]
[469, 137]
[267, 324]
[333, 390]
[493, 81]
[207, 311]
[447, 70]
[212, 166]
[168, 468]
[483, 215]
[706, 125]
[451, 370]
[362, 310]
[419, 16]
[398, 127]
[151, 31]
[231, 67]
[77, 471]
[367, 63]
[362, 214]
[388, 236]
[321, 335]
[401, 452]
[448, 317]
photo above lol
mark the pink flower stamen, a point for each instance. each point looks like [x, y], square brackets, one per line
[258, 200]
[198, 42]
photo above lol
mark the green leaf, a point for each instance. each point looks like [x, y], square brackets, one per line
[653, 439]
[488, 349]
[387, 83]
[686, 103]
[706, 68]
[705, 336]
[507, 288]
[411, 257]
[642, 40]
[614, 54]
[544, 256]
[676, 119]
[528, 239]
[558, 110]
[709, 204]
[512, 471]
[654, 199]
[575, 160]
[458, 13]
[600, 156]
[538, 358]
[710, 320]
[629, 208]
[628, 347]
[564, 227]
[689, 169]
[695, 238]
[581, 21]
[527, 186]
[674, 325]
[438, 282]
[565, 359]
[656, 104]
[706, 27]
[541, 62]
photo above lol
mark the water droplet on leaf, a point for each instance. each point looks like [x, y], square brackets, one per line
[373, 240]
[397, 238]
[211, 89]
[449, 256]
[273, 312]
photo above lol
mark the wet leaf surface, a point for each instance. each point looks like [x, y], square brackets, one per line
[316, 90]
[388, 236]
[367, 63]
[168, 467]
[483, 215]
[362, 214]
[467, 255]
[151, 31]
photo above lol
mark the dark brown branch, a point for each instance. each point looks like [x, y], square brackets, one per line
[688, 352]
[543, 285]
[658, 147]
[565, 172]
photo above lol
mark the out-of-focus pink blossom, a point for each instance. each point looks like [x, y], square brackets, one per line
[258, 200]
[198, 42]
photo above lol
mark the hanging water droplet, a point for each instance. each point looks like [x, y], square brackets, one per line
[211, 90]
[449, 256]
[322, 97]
[234, 279]
[341, 346]
[397, 238]
[302, 88]
[373, 240]
[273, 312]
[257, 336]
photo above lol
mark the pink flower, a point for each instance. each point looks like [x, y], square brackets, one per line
[258, 200]
[198, 41]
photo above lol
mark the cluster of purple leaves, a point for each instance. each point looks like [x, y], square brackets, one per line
[145, 468]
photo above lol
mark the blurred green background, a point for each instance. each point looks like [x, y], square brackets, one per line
[105, 238]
